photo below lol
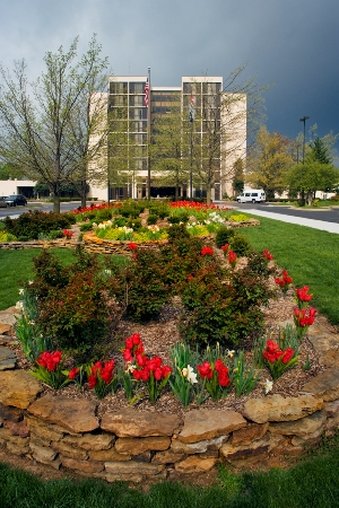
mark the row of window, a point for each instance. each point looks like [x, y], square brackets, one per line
[188, 88]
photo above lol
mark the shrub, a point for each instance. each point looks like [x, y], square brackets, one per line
[181, 256]
[31, 225]
[7, 237]
[240, 245]
[145, 290]
[224, 235]
[223, 306]
[75, 307]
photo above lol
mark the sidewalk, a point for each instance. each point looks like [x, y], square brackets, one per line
[331, 227]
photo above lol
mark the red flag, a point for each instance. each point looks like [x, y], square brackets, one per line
[146, 92]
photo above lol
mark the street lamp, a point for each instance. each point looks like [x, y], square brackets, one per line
[303, 119]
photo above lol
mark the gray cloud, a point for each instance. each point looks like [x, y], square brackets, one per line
[290, 45]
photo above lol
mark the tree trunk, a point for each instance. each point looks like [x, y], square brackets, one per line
[56, 204]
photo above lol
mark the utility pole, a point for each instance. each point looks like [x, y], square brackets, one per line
[303, 119]
[147, 103]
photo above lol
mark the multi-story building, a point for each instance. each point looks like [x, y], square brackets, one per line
[210, 125]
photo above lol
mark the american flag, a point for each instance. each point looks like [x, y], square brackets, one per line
[146, 92]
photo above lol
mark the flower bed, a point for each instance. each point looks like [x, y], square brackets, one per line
[266, 401]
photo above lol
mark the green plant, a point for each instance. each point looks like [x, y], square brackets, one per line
[214, 373]
[145, 291]
[240, 245]
[48, 369]
[27, 331]
[278, 360]
[244, 376]
[75, 307]
[30, 225]
[7, 237]
[223, 306]
[183, 377]
[224, 235]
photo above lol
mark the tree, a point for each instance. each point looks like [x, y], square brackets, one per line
[269, 160]
[224, 126]
[238, 177]
[46, 126]
[168, 139]
[311, 176]
[320, 151]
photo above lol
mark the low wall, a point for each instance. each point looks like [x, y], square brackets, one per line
[138, 446]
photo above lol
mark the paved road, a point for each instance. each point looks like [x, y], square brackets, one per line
[15, 211]
[325, 220]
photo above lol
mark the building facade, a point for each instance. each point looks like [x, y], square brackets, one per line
[170, 141]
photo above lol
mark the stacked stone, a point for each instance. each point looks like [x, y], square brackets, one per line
[138, 446]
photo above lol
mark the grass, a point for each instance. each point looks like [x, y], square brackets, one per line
[16, 267]
[313, 482]
[310, 256]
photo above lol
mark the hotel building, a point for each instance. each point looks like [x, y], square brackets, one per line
[211, 126]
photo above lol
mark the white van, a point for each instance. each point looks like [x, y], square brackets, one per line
[252, 196]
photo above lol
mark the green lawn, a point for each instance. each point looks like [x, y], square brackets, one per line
[16, 267]
[313, 482]
[310, 256]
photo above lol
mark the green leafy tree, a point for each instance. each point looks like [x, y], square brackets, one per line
[269, 160]
[311, 176]
[238, 177]
[46, 126]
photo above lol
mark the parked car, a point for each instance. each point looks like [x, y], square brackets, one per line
[252, 196]
[16, 199]
[3, 203]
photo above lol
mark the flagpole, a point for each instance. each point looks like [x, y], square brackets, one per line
[149, 137]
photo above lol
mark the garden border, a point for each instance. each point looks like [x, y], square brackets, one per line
[138, 446]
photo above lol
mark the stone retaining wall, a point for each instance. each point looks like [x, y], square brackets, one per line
[139, 446]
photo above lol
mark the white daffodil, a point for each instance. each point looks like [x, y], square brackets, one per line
[189, 374]
[268, 386]
[19, 305]
[21, 291]
[230, 353]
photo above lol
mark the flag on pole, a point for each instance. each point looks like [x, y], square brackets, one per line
[191, 108]
[146, 92]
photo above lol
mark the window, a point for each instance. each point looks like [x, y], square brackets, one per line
[118, 100]
[138, 114]
[136, 87]
[136, 100]
[117, 87]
